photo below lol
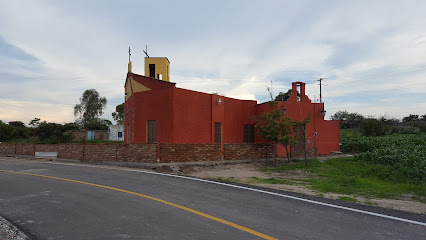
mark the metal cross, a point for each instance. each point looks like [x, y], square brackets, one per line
[129, 54]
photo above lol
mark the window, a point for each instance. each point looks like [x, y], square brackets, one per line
[299, 97]
[248, 133]
[119, 134]
[217, 132]
[152, 70]
[152, 131]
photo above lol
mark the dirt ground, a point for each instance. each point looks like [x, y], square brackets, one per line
[246, 172]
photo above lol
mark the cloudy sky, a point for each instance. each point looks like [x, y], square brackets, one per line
[372, 53]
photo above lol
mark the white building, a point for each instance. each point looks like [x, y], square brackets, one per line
[116, 133]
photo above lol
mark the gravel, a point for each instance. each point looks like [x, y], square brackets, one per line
[10, 232]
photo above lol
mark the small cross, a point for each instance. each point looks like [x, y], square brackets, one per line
[129, 54]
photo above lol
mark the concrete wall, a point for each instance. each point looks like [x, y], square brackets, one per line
[113, 133]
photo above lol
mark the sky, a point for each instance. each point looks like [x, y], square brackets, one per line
[372, 54]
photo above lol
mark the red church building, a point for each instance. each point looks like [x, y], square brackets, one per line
[158, 111]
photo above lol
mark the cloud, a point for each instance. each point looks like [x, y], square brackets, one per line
[50, 52]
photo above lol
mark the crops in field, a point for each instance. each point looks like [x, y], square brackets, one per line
[403, 156]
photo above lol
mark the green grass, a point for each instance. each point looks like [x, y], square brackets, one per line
[270, 181]
[353, 177]
[348, 199]
[24, 140]
[230, 179]
[350, 132]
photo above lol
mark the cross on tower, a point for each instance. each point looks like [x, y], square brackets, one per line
[129, 54]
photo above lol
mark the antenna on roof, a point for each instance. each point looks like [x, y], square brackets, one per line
[146, 51]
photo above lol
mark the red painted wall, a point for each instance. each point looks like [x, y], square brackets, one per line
[327, 138]
[192, 117]
[185, 116]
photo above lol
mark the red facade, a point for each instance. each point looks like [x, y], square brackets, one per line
[185, 116]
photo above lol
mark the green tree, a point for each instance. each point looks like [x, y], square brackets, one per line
[371, 127]
[90, 108]
[283, 96]
[35, 122]
[275, 127]
[118, 115]
[348, 120]
[17, 124]
[51, 133]
[411, 118]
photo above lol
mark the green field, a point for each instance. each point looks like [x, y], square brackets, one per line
[392, 166]
[403, 156]
[355, 177]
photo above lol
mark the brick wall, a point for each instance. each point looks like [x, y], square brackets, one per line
[140, 152]
[183, 152]
[81, 135]
[145, 152]
[46, 147]
[246, 151]
[100, 152]
[25, 149]
[299, 152]
[7, 148]
[70, 151]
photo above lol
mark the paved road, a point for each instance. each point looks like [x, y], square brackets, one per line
[51, 200]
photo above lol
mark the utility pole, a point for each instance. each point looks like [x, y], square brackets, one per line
[320, 83]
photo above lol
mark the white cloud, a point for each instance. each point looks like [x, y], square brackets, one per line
[234, 48]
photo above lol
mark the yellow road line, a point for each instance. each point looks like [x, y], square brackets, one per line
[155, 199]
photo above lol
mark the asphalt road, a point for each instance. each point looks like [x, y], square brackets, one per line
[50, 200]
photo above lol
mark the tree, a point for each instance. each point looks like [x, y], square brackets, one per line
[283, 96]
[411, 118]
[348, 120]
[35, 122]
[90, 108]
[118, 115]
[371, 127]
[17, 124]
[51, 133]
[274, 126]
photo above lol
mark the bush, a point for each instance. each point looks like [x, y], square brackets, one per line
[372, 127]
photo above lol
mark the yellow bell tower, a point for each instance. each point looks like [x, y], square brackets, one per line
[157, 67]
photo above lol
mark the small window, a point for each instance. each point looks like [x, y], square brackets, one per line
[217, 132]
[248, 133]
[152, 131]
[119, 134]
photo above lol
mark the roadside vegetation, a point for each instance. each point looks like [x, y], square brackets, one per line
[353, 176]
[389, 161]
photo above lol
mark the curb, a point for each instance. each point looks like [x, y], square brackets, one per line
[10, 231]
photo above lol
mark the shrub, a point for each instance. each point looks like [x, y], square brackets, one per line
[372, 127]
